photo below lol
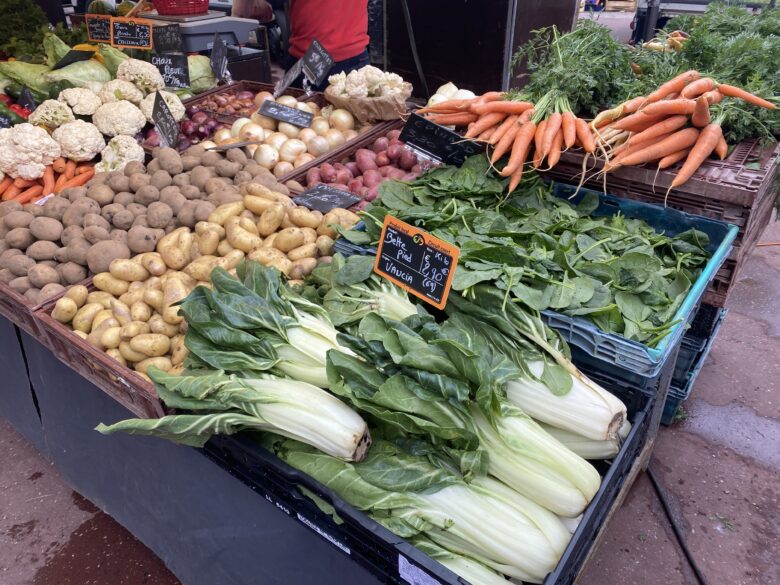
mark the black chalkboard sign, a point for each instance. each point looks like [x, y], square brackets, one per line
[173, 68]
[437, 141]
[286, 114]
[316, 63]
[416, 261]
[26, 99]
[323, 198]
[167, 38]
[98, 28]
[5, 120]
[166, 124]
[218, 57]
[73, 56]
[131, 33]
[289, 77]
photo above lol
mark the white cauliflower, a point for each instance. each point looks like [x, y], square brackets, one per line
[51, 113]
[373, 77]
[119, 89]
[144, 75]
[119, 151]
[171, 99]
[338, 83]
[120, 117]
[25, 150]
[356, 85]
[79, 140]
[82, 101]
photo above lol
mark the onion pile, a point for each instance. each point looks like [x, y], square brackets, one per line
[194, 129]
[230, 102]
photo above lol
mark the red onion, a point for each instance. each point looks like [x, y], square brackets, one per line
[192, 110]
[199, 117]
[245, 95]
[188, 126]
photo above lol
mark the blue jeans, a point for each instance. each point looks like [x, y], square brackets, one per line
[346, 66]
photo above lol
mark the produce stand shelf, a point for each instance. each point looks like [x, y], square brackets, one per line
[20, 311]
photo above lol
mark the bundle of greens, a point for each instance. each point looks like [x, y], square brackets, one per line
[548, 254]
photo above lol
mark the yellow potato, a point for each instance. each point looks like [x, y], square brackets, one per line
[201, 268]
[100, 317]
[115, 354]
[269, 241]
[132, 296]
[96, 334]
[174, 290]
[128, 270]
[324, 245]
[121, 312]
[309, 235]
[304, 251]
[272, 257]
[151, 344]
[82, 321]
[78, 294]
[162, 363]
[140, 311]
[302, 268]
[154, 298]
[304, 218]
[158, 325]
[257, 205]
[240, 238]
[110, 338]
[208, 242]
[178, 350]
[177, 370]
[259, 190]
[223, 212]
[224, 248]
[248, 223]
[153, 282]
[203, 227]
[108, 283]
[231, 260]
[289, 239]
[130, 354]
[65, 309]
[144, 376]
[176, 248]
[271, 219]
[101, 297]
[153, 263]
[127, 332]
[80, 334]
[287, 222]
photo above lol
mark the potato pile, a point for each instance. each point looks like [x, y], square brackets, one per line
[132, 316]
[44, 248]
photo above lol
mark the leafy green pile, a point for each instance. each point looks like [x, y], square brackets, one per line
[616, 271]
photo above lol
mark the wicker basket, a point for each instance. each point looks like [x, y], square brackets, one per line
[177, 7]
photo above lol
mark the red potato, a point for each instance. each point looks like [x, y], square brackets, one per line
[361, 205]
[380, 144]
[366, 160]
[372, 178]
[394, 151]
[353, 168]
[343, 176]
[341, 186]
[410, 176]
[362, 192]
[417, 169]
[355, 184]
[382, 159]
[393, 135]
[328, 173]
[313, 177]
[394, 173]
[373, 193]
[408, 160]
[385, 169]
[339, 166]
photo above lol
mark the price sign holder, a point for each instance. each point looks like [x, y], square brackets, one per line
[416, 261]
[131, 33]
[167, 38]
[166, 124]
[436, 141]
[324, 198]
[288, 79]
[73, 56]
[98, 28]
[26, 99]
[5, 120]
[174, 69]
[287, 114]
[316, 63]
[218, 58]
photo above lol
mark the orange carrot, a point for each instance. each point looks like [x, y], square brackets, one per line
[722, 149]
[490, 96]
[83, 168]
[584, 135]
[78, 180]
[671, 144]
[484, 123]
[713, 97]
[553, 126]
[701, 113]
[507, 140]
[738, 92]
[569, 129]
[520, 148]
[514, 181]
[632, 105]
[625, 149]
[633, 122]
[505, 107]
[59, 165]
[448, 106]
[11, 192]
[5, 183]
[673, 158]
[48, 180]
[460, 119]
[23, 183]
[538, 135]
[555, 150]
[537, 160]
[674, 85]
[503, 128]
[669, 107]
[704, 146]
[698, 87]
[670, 124]
[485, 136]
[70, 169]
[29, 193]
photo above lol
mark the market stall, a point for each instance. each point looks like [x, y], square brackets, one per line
[436, 343]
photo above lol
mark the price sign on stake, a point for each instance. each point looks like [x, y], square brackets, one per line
[173, 68]
[73, 57]
[323, 198]
[131, 33]
[286, 114]
[437, 141]
[98, 28]
[286, 81]
[316, 63]
[26, 99]
[416, 261]
[167, 38]
[218, 57]
[166, 124]
[5, 120]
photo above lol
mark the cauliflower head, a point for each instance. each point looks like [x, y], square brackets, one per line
[356, 86]
[51, 113]
[119, 151]
[338, 83]
[120, 117]
[79, 140]
[119, 89]
[83, 102]
[373, 77]
[144, 75]
[173, 101]
[25, 150]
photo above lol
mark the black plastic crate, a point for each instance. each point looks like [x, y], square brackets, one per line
[388, 556]
[694, 342]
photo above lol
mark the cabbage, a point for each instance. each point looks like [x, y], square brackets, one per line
[29, 74]
[111, 58]
[202, 78]
[80, 74]
[55, 48]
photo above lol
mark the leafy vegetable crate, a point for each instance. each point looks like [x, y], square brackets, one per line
[679, 391]
[386, 555]
[17, 309]
[116, 380]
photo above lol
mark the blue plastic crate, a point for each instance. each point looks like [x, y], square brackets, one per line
[678, 393]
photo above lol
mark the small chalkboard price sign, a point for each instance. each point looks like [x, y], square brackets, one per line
[131, 33]
[73, 56]
[167, 38]
[416, 261]
[288, 79]
[437, 141]
[218, 57]
[286, 114]
[26, 99]
[173, 68]
[166, 124]
[316, 63]
[5, 120]
[98, 28]
[323, 198]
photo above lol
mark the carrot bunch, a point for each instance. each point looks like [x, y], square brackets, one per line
[516, 128]
[59, 175]
[669, 125]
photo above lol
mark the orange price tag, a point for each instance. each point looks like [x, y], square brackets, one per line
[416, 261]
[131, 33]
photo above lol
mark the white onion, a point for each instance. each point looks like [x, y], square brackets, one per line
[291, 149]
[208, 144]
[287, 100]
[237, 125]
[250, 149]
[341, 120]
[306, 134]
[448, 90]
[251, 133]
[222, 135]
[463, 94]
[266, 156]
[318, 145]
[310, 107]
[263, 121]
[276, 139]
[262, 96]
[282, 168]
[289, 130]
[436, 98]
[320, 125]
[350, 134]
[302, 159]
[334, 137]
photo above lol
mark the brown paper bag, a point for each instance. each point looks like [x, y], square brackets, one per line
[370, 109]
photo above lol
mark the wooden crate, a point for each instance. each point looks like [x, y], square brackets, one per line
[621, 5]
